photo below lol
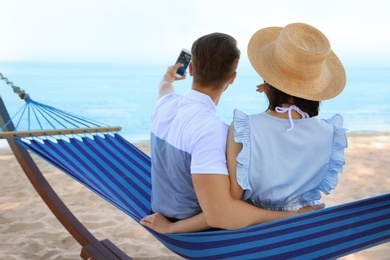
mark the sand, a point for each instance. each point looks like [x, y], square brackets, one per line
[28, 229]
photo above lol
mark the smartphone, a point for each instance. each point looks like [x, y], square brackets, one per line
[184, 58]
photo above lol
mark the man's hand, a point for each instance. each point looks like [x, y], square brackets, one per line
[311, 208]
[168, 78]
[170, 75]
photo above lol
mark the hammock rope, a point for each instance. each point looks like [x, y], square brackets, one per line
[40, 116]
[21, 93]
[34, 116]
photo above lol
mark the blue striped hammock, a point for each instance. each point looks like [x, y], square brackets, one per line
[119, 172]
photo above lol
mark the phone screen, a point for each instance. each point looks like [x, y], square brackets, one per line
[185, 59]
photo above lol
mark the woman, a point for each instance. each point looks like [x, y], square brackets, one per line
[283, 158]
[287, 155]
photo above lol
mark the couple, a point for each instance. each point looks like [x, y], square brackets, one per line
[264, 167]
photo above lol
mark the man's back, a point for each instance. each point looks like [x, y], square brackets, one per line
[187, 137]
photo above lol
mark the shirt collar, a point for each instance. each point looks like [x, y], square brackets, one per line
[202, 98]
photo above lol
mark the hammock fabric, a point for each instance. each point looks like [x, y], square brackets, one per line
[120, 173]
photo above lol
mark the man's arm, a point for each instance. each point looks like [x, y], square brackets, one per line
[221, 210]
[169, 77]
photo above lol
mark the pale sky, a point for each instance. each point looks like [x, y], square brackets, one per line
[154, 31]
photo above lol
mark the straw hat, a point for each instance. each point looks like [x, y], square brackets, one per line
[297, 59]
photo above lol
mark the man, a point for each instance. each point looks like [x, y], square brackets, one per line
[188, 143]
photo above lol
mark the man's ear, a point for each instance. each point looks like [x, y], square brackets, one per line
[232, 77]
[190, 69]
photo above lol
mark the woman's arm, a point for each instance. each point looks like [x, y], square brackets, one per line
[232, 150]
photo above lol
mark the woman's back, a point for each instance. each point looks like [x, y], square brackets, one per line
[286, 170]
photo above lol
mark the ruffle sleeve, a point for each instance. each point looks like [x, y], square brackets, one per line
[337, 159]
[242, 135]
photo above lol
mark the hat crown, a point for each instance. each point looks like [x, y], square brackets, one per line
[301, 50]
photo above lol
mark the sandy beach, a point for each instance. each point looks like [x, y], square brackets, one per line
[28, 229]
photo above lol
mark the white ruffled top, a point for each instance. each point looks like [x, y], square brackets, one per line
[286, 163]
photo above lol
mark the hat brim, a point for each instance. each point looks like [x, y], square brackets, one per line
[330, 82]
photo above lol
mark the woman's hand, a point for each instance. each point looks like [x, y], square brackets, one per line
[260, 88]
[158, 223]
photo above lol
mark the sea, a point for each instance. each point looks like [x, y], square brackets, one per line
[125, 94]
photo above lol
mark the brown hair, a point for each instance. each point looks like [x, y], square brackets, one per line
[277, 98]
[214, 59]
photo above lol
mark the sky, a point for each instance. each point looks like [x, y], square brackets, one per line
[154, 31]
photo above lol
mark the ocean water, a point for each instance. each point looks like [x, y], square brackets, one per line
[125, 95]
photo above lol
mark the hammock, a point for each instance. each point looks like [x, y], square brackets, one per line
[120, 173]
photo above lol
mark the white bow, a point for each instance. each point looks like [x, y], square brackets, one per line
[289, 109]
